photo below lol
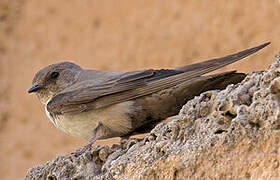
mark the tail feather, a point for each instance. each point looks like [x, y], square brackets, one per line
[213, 64]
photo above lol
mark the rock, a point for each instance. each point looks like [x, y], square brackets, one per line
[228, 134]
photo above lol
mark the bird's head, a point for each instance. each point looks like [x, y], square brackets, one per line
[53, 79]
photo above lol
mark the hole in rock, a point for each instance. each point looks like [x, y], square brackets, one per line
[255, 125]
[220, 131]
[230, 115]
[52, 177]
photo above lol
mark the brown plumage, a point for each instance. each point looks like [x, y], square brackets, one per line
[101, 104]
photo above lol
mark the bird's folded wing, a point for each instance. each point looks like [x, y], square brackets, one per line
[217, 63]
[82, 97]
[135, 84]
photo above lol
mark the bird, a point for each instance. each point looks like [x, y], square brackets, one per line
[94, 105]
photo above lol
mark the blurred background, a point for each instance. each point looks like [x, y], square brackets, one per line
[111, 35]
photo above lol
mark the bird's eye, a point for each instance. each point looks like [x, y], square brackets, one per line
[54, 75]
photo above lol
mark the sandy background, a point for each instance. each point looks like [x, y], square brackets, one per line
[111, 35]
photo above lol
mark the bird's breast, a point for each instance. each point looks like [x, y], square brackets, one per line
[115, 117]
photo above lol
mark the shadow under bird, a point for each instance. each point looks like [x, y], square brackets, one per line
[96, 105]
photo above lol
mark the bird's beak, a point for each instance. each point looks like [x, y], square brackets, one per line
[35, 88]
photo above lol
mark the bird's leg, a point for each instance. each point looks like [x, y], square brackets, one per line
[98, 133]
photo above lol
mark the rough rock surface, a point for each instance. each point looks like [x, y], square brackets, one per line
[228, 134]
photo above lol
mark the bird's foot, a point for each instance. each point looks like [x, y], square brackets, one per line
[81, 150]
[86, 147]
